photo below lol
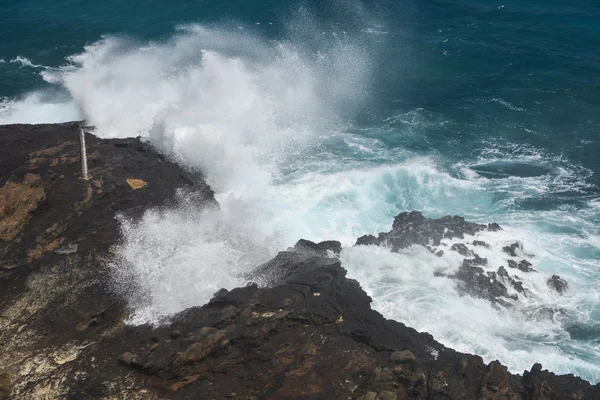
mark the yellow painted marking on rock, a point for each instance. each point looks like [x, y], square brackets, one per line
[136, 183]
[267, 314]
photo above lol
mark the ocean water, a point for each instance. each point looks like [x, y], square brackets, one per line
[323, 120]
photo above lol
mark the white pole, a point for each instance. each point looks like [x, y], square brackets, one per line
[84, 167]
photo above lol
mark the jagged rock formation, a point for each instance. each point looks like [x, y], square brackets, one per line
[56, 230]
[314, 336]
[307, 332]
[497, 285]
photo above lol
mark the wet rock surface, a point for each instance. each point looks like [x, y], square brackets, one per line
[412, 228]
[558, 284]
[308, 332]
[475, 275]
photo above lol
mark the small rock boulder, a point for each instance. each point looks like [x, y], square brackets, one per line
[461, 249]
[319, 248]
[402, 357]
[558, 284]
[130, 360]
[511, 250]
[494, 227]
[525, 266]
[407, 218]
[502, 272]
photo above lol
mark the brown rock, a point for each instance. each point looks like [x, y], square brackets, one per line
[496, 383]
[206, 331]
[17, 202]
[386, 395]
[130, 360]
[383, 375]
[402, 357]
[369, 396]
[197, 351]
[5, 385]
[176, 386]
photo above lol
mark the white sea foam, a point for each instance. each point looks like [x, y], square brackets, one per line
[227, 102]
[26, 62]
[357, 200]
[507, 104]
[177, 258]
[404, 288]
[37, 108]
[232, 104]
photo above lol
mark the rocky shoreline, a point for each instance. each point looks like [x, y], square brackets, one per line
[302, 330]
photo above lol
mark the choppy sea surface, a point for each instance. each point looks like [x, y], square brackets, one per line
[323, 120]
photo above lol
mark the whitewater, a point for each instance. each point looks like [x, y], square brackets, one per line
[276, 127]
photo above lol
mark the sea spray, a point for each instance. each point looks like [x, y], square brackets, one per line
[232, 104]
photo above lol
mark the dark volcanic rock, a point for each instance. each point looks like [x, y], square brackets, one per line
[462, 249]
[558, 284]
[56, 230]
[525, 266]
[309, 333]
[511, 250]
[481, 243]
[502, 272]
[475, 282]
[410, 228]
[319, 248]
[41, 175]
[303, 257]
[5, 385]
[314, 336]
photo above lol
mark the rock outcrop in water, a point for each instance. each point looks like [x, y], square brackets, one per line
[307, 332]
[475, 275]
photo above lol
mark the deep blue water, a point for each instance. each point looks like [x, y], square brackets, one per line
[495, 70]
[488, 109]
